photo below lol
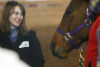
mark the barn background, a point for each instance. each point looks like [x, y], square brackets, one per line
[44, 17]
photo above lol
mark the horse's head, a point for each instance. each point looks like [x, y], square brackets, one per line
[74, 16]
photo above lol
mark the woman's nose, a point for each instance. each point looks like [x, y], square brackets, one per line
[19, 16]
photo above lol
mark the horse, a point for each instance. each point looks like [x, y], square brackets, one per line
[75, 15]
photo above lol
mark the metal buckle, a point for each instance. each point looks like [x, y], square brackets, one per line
[87, 12]
[67, 37]
[86, 21]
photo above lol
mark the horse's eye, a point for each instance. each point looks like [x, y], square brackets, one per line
[68, 12]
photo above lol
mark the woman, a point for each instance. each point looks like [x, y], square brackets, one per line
[16, 36]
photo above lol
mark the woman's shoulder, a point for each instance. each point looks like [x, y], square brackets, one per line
[2, 35]
[32, 33]
[29, 33]
[0, 31]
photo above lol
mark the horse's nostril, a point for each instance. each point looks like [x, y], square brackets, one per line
[52, 47]
[58, 54]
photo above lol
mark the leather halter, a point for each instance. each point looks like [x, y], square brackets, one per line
[69, 35]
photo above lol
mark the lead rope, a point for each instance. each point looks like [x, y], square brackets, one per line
[81, 58]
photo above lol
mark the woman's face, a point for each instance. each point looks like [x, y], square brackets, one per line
[16, 17]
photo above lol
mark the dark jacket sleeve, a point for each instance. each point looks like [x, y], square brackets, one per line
[37, 59]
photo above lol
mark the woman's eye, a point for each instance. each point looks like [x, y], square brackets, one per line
[16, 13]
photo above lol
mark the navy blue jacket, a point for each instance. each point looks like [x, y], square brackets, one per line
[28, 48]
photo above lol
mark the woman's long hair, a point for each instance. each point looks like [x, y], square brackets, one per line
[7, 11]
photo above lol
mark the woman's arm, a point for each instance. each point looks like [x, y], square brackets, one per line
[37, 59]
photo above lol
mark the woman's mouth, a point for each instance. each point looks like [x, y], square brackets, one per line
[18, 21]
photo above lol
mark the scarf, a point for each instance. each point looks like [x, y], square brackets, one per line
[14, 34]
[94, 6]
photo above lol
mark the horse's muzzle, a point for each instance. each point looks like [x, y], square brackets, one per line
[58, 53]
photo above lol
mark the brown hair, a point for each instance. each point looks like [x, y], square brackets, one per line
[7, 11]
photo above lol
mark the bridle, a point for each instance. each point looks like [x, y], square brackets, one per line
[68, 36]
